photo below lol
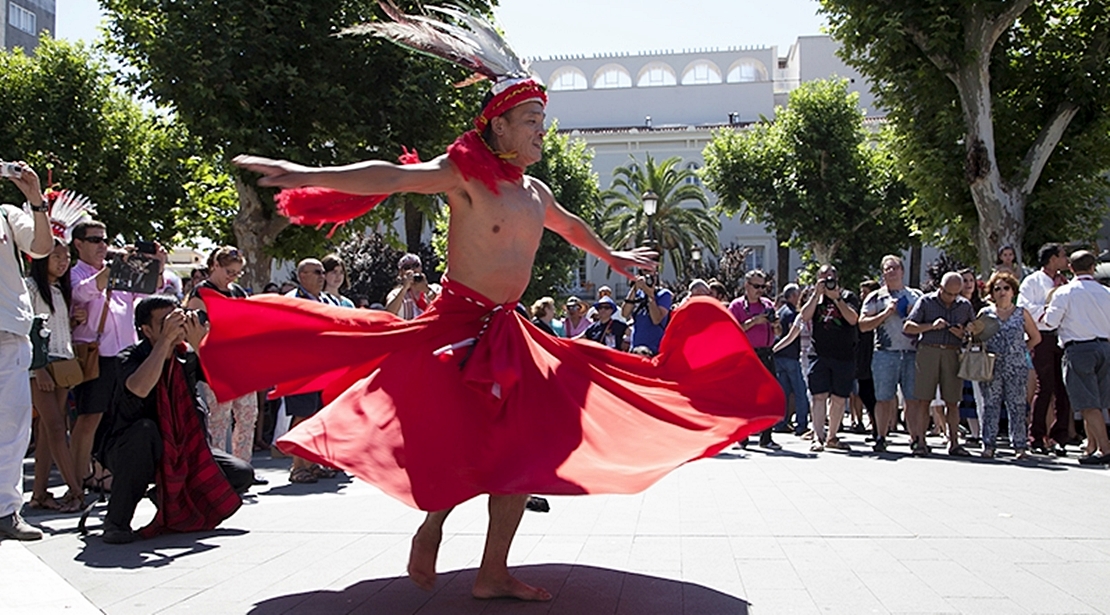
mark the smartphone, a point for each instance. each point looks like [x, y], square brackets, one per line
[146, 247]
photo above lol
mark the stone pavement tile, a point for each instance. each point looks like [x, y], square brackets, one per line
[619, 515]
[813, 553]
[794, 601]
[904, 592]
[29, 586]
[1029, 590]
[605, 551]
[203, 578]
[950, 579]
[656, 554]
[149, 601]
[1072, 550]
[840, 591]
[988, 606]
[1085, 579]
[864, 554]
[548, 548]
[710, 562]
[589, 589]
[767, 574]
[914, 548]
[645, 594]
[756, 547]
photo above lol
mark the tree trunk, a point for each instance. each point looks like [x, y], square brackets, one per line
[915, 264]
[414, 224]
[253, 232]
[1000, 208]
[783, 260]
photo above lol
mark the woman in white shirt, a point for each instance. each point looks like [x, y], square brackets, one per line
[49, 288]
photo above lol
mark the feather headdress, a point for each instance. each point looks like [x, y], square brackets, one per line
[473, 44]
[67, 208]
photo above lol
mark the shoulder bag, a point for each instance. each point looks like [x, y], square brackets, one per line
[976, 363]
[88, 353]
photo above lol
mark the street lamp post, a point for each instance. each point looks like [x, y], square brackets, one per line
[651, 205]
[695, 259]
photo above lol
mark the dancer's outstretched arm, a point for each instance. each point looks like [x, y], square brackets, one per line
[369, 177]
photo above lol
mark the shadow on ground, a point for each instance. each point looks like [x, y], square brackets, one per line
[576, 589]
[153, 553]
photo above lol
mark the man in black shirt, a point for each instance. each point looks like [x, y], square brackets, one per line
[133, 447]
[607, 330]
[788, 364]
[834, 312]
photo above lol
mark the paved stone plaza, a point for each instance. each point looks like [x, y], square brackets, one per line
[746, 532]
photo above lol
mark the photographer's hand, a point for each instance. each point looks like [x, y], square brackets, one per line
[194, 330]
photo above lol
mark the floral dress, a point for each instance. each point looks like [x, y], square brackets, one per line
[1008, 384]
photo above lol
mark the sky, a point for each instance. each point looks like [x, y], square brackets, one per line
[545, 28]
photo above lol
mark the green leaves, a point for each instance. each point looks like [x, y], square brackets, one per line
[814, 175]
[682, 220]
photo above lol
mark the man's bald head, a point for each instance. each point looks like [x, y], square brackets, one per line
[952, 283]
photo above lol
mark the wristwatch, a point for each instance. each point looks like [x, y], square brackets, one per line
[40, 208]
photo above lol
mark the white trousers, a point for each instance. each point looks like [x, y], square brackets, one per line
[15, 417]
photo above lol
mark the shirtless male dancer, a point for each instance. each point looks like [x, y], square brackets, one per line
[492, 241]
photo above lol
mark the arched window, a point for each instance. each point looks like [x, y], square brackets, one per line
[656, 74]
[568, 78]
[747, 70]
[701, 72]
[693, 179]
[612, 76]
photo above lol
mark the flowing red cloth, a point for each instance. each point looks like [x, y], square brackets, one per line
[518, 412]
[314, 206]
[475, 160]
[193, 494]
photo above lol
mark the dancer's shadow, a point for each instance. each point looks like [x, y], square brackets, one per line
[576, 589]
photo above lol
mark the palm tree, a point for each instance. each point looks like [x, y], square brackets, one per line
[682, 219]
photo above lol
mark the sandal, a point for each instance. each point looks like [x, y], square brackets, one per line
[302, 476]
[73, 501]
[46, 502]
[320, 471]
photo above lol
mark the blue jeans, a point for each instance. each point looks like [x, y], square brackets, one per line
[789, 373]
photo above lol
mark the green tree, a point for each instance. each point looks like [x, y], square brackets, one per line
[272, 78]
[63, 114]
[815, 176]
[682, 219]
[1001, 112]
[566, 168]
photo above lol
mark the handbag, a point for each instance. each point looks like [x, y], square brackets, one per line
[976, 364]
[88, 353]
[66, 373]
[40, 342]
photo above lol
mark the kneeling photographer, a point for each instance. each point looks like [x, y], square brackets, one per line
[648, 308]
[157, 433]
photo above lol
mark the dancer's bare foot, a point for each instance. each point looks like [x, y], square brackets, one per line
[508, 587]
[422, 557]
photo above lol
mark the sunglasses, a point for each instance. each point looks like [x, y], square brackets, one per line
[998, 289]
[315, 271]
[94, 239]
[757, 286]
[604, 307]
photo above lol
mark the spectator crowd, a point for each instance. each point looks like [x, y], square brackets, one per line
[1004, 363]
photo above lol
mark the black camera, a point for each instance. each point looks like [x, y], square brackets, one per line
[202, 316]
[772, 316]
[830, 283]
[146, 247]
[650, 279]
[418, 277]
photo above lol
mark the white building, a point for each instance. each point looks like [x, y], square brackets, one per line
[668, 103]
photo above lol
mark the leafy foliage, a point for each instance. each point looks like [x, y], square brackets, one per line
[566, 169]
[371, 262]
[63, 114]
[815, 176]
[272, 78]
[682, 219]
[975, 115]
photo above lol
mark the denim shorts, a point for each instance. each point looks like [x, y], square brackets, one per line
[889, 368]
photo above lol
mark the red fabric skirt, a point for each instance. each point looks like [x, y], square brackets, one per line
[434, 422]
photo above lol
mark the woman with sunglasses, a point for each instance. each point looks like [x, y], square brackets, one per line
[1017, 334]
[225, 265]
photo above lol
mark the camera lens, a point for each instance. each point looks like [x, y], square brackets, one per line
[830, 283]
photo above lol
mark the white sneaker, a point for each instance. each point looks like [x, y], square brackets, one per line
[13, 526]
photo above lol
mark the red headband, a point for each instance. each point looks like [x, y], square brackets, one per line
[516, 94]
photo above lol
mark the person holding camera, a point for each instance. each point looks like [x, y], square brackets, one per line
[156, 435]
[833, 313]
[110, 325]
[413, 293]
[648, 308]
[27, 233]
[757, 317]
